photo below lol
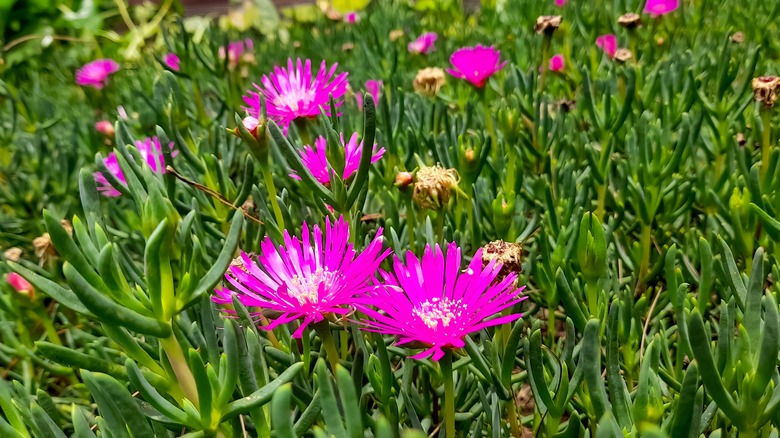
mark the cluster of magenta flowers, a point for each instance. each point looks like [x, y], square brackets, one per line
[428, 302]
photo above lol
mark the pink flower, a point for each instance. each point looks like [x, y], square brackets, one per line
[292, 92]
[351, 17]
[316, 160]
[304, 278]
[96, 73]
[476, 64]
[423, 44]
[560, 3]
[105, 127]
[373, 87]
[432, 302]
[557, 62]
[172, 61]
[235, 49]
[607, 43]
[20, 284]
[661, 7]
[151, 153]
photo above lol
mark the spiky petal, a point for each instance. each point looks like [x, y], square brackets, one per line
[431, 302]
[95, 74]
[424, 44]
[661, 7]
[304, 278]
[316, 160]
[151, 153]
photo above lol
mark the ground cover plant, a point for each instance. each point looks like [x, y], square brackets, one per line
[390, 218]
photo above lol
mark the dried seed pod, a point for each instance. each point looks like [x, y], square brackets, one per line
[433, 187]
[429, 81]
[396, 34]
[622, 55]
[508, 253]
[630, 20]
[44, 248]
[13, 254]
[738, 38]
[547, 24]
[765, 90]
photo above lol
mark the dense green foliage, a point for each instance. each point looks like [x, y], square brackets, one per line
[645, 194]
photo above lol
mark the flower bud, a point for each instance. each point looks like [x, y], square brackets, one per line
[21, 285]
[503, 208]
[591, 248]
[429, 81]
[433, 187]
[630, 20]
[509, 123]
[12, 254]
[105, 127]
[765, 89]
[509, 254]
[547, 24]
[404, 180]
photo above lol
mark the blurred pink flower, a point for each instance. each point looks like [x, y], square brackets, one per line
[19, 283]
[374, 88]
[304, 278]
[150, 151]
[423, 44]
[607, 43]
[351, 17]
[235, 49]
[105, 127]
[661, 7]
[433, 303]
[172, 61]
[96, 73]
[292, 92]
[557, 62]
[316, 160]
[560, 3]
[476, 64]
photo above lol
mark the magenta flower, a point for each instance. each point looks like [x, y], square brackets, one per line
[351, 17]
[560, 3]
[423, 44]
[476, 64]
[19, 284]
[607, 43]
[235, 49]
[374, 88]
[557, 62]
[292, 92]
[661, 7]
[172, 61]
[151, 153]
[96, 73]
[105, 127]
[316, 160]
[304, 278]
[433, 303]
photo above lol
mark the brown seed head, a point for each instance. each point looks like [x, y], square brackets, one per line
[429, 81]
[622, 55]
[433, 187]
[765, 90]
[741, 140]
[346, 47]
[630, 20]
[738, 38]
[13, 254]
[44, 248]
[396, 34]
[547, 24]
[508, 253]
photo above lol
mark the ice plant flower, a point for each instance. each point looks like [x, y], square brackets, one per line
[431, 302]
[105, 127]
[557, 62]
[351, 17]
[316, 160]
[172, 61]
[292, 92]
[560, 3]
[374, 88]
[423, 44]
[96, 73]
[235, 49]
[150, 151]
[607, 43]
[476, 64]
[304, 278]
[20, 284]
[661, 7]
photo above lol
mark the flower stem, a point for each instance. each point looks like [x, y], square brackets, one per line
[269, 185]
[180, 368]
[766, 150]
[449, 394]
[323, 331]
[440, 225]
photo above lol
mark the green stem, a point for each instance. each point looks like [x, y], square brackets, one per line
[602, 197]
[545, 62]
[180, 368]
[440, 225]
[449, 394]
[592, 294]
[646, 241]
[489, 124]
[766, 150]
[323, 331]
[269, 185]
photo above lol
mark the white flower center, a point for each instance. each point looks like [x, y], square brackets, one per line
[306, 288]
[438, 311]
[293, 97]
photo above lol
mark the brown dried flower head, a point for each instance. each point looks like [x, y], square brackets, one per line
[508, 253]
[429, 81]
[738, 38]
[630, 20]
[765, 90]
[13, 254]
[44, 248]
[396, 34]
[433, 187]
[547, 23]
[622, 55]
[741, 140]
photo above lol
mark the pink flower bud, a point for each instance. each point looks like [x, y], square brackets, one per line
[20, 284]
[557, 62]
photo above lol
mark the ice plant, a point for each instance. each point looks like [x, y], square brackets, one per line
[607, 43]
[431, 302]
[560, 3]
[105, 127]
[661, 7]
[557, 62]
[20, 284]
[304, 278]
[235, 49]
[172, 61]
[476, 64]
[316, 160]
[292, 92]
[351, 17]
[150, 151]
[374, 88]
[96, 73]
[423, 44]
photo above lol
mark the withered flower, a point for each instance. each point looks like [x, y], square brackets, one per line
[547, 24]
[765, 89]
